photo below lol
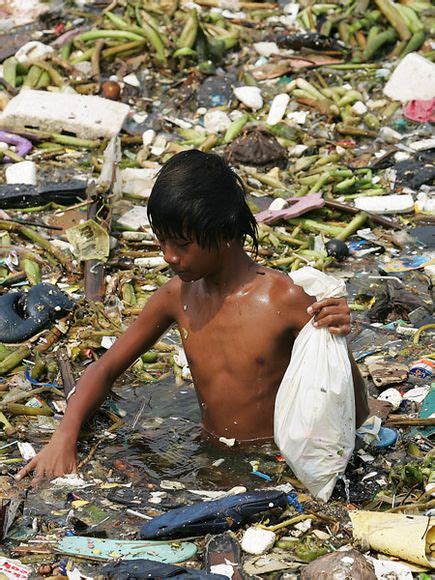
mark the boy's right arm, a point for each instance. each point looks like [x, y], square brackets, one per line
[59, 456]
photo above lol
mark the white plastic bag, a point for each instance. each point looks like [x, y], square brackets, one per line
[314, 419]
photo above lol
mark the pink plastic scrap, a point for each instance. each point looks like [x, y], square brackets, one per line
[22, 145]
[297, 206]
[420, 111]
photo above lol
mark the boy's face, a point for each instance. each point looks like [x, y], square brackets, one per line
[188, 259]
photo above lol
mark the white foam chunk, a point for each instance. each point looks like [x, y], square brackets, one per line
[21, 172]
[386, 204]
[249, 96]
[138, 181]
[87, 116]
[412, 79]
[277, 109]
[257, 541]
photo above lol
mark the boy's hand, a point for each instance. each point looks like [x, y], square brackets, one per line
[54, 460]
[333, 314]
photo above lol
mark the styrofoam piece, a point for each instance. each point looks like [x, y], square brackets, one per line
[297, 150]
[159, 145]
[135, 218]
[108, 341]
[216, 121]
[148, 137]
[178, 122]
[386, 204]
[21, 172]
[27, 451]
[132, 80]
[87, 116]
[423, 144]
[152, 262]
[389, 135]
[278, 203]
[249, 96]
[391, 396]
[138, 236]
[277, 109]
[266, 48]
[291, 10]
[257, 541]
[222, 569]
[297, 117]
[138, 181]
[359, 108]
[412, 79]
[32, 51]
[385, 569]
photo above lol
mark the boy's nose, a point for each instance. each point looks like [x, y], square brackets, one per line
[170, 256]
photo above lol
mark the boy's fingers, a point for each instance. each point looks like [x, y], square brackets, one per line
[342, 330]
[329, 311]
[322, 303]
[39, 477]
[25, 470]
[335, 329]
[331, 320]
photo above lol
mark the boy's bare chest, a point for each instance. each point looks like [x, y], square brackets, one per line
[241, 331]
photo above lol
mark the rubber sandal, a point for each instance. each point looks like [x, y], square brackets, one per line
[224, 550]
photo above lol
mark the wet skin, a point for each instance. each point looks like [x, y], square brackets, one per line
[238, 322]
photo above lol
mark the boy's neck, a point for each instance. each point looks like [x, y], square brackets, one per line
[234, 269]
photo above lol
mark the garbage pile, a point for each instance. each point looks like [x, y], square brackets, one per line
[325, 111]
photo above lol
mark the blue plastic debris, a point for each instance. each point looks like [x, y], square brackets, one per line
[293, 501]
[212, 517]
[262, 475]
[387, 437]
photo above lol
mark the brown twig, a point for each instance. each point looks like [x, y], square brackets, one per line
[95, 59]
[404, 420]
[88, 456]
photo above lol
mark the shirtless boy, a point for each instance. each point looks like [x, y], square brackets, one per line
[237, 319]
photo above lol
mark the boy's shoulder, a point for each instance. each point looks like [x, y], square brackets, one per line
[283, 292]
[281, 283]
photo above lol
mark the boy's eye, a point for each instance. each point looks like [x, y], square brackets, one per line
[181, 242]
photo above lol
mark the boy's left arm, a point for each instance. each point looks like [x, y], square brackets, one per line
[332, 313]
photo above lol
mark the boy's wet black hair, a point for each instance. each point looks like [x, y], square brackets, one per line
[198, 196]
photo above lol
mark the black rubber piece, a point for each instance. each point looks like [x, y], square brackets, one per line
[22, 315]
[140, 569]
[24, 195]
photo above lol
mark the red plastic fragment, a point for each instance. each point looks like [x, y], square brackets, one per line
[420, 111]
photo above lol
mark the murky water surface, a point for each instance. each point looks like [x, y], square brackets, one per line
[164, 440]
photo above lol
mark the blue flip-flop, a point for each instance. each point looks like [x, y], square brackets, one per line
[386, 438]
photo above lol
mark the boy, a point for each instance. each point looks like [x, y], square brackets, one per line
[237, 320]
